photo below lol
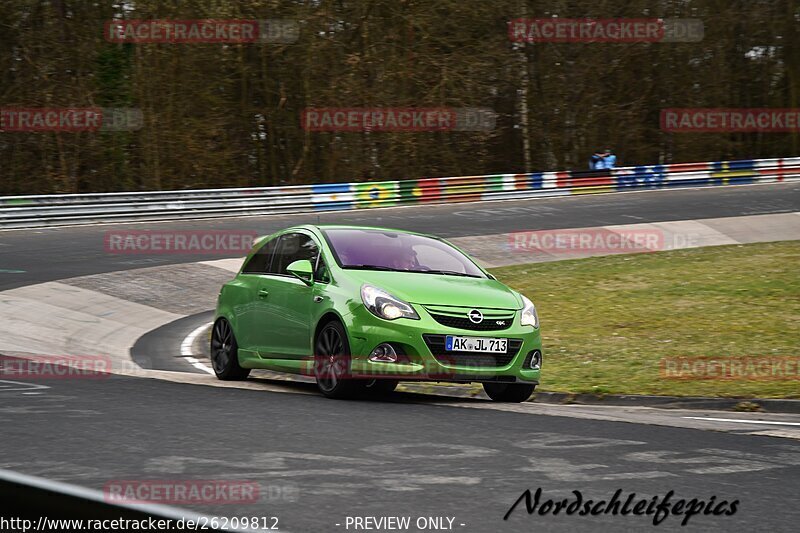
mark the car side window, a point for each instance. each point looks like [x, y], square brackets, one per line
[321, 271]
[294, 246]
[261, 260]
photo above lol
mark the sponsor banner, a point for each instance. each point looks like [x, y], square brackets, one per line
[376, 194]
[579, 181]
[182, 492]
[591, 181]
[422, 190]
[213, 31]
[511, 184]
[552, 180]
[496, 185]
[499, 183]
[749, 368]
[466, 189]
[535, 180]
[179, 242]
[591, 178]
[642, 176]
[733, 172]
[332, 196]
[592, 190]
[743, 164]
[676, 168]
[777, 169]
[69, 119]
[409, 191]
[689, 179]
[388, 119]
[744, 120]
[56, 367]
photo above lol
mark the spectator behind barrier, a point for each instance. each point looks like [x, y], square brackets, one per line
[602, 160]
[596, 161]
[609, 160]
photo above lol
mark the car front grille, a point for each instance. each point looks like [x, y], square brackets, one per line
[456, 317]
[436, 343]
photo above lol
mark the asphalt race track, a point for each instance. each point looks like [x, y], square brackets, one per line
[52, 254]
[318, 461]
[323, 460]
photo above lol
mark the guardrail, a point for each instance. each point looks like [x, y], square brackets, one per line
[61, 209]
[38, 504]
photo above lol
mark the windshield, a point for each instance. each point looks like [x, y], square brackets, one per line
[370, 249]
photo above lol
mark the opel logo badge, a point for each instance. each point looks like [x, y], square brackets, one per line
[475, 316]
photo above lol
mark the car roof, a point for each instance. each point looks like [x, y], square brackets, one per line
[322, 227]
[317, 229]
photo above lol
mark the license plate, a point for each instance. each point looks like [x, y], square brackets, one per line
[475, 344]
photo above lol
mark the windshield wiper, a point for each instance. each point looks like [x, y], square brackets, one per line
[447, 273]
[374, 267]
[389, 269]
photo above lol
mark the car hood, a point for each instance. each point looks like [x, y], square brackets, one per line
[434, 289]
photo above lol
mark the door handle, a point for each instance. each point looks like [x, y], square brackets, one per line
[263, 293]
[318, 299]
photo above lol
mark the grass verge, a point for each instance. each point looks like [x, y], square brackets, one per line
[608, 322]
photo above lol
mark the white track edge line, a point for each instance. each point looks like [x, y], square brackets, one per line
[186, 349]
[768, 422]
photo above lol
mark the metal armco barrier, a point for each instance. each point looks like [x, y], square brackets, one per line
[61, 209]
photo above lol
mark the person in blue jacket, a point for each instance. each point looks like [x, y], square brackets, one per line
[609, 160]
[596, 161]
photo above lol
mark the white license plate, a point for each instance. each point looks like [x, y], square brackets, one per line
[475, 344]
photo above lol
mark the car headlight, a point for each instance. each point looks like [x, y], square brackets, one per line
[529, 316]
[384, 305]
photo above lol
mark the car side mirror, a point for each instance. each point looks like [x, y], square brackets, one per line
[302, 270]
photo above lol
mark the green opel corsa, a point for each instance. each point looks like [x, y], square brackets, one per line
[360, 309]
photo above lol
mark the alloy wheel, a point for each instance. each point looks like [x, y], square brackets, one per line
[221, 346]
[331, 361]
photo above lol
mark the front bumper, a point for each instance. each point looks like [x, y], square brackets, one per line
[419, 340]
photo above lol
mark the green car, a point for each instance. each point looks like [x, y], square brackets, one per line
[360, 309]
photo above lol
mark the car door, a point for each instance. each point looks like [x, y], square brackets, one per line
[287, 301]
[252, 313]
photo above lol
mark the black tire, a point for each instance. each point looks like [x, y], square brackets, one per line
[225, 353]
[381, 387]
[508, 392]
[332, 363]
